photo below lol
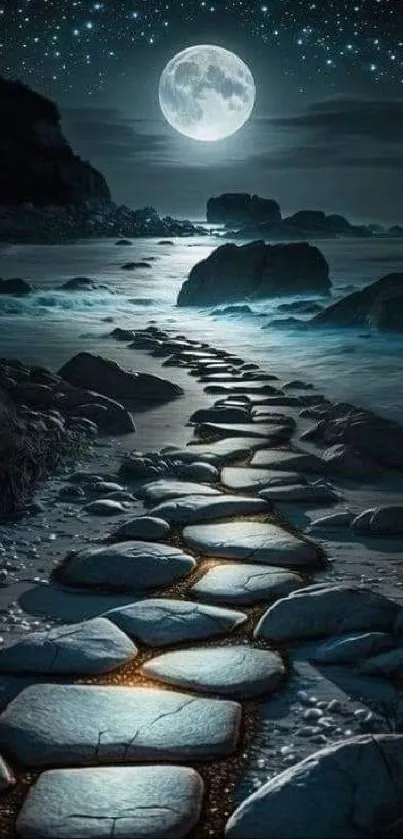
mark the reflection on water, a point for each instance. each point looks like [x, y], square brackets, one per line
[50, 326]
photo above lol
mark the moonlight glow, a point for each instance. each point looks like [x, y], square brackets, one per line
[207, 93]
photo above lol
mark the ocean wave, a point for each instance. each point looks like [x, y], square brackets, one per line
[43, 302]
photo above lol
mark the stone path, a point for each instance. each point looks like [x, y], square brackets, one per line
[234, 654]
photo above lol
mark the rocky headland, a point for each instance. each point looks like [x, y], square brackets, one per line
[47, 193]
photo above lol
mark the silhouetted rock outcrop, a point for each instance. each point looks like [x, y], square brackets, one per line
[47, 193]
[255, 270]
[241, 208]
[379, 305]
[38, 164]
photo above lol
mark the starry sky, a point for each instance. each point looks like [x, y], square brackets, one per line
[327, 128]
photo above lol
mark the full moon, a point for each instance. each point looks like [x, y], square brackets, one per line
[207, 93]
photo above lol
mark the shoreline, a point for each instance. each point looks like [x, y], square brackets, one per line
[351, 559]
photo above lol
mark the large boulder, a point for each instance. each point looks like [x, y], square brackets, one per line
[94, 372]
[347, 791]
[242, 208]
[321, 610]
[255, 270]
[379, 304]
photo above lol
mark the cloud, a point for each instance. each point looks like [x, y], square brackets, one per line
[379, 120]
[106, 133]
[338, 133]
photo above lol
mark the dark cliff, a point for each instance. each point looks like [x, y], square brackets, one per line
[38, 165]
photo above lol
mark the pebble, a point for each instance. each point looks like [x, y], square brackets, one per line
[308, 731]
[335, 706]
[313, 714]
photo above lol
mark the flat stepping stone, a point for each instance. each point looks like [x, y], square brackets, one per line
[195, 508]
[322, 609]
[244, 479]
[163, 490]
[246, 584]
[151, 802]
[143, 527]
[126, 566]
[231, 413]
[87, 648]
[80, 725]
[104, 487]
[303, 493]
[251, 541]
[222, 451]
[287, 461]
[238, 671]
[269, 431]
[159, 623]
[105, 507]
[252, 386]
[226, 378]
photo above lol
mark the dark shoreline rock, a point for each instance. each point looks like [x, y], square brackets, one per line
[255, 270]
[15, 287]
[86, 370]
[63, 224]
[43, 421]
[242, 208]
[378, 305]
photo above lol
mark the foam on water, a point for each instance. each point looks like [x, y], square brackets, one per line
[51, 325]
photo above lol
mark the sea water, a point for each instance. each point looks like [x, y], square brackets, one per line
[49, 326]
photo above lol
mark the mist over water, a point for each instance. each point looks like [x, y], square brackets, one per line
[49, 326]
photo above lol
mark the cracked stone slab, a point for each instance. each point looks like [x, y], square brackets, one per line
[348, 790]
[271, 432]
[322, 609]
[237, 671]
[159, 623]
[287, 461]
[246, 584]
[87, 648]
[195, 508]
[222, 451]
[244, 479]
[151, 802]
[253, 542]
[126, 566]
[81, 725]
[165, 489]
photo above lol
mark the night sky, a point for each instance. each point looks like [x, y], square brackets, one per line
[327, 128]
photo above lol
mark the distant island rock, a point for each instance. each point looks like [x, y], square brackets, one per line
[242, 209]
[253, 217]
[255, 270]
[47, 192]
[379, 305]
